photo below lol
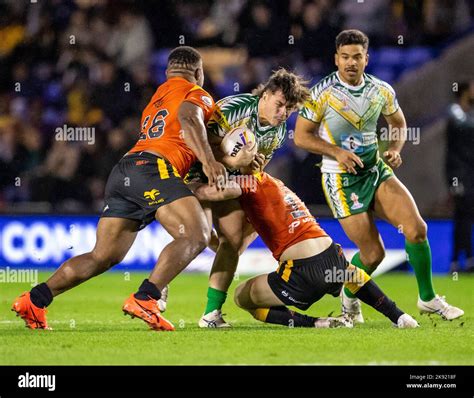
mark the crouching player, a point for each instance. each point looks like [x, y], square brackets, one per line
[310, 263]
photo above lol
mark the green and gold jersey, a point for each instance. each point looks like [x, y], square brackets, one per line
[242, 110]
[348, 116]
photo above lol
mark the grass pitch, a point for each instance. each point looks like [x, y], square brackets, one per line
[89, 329]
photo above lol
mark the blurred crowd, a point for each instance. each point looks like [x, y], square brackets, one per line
[92, 64]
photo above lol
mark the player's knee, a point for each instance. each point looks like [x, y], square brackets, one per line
[238, 296]
[227, 247]
[214, 241]
[418, 233]
[237, 293]
[246, 243]
[232, 242]
[200, 239]
[105, 261]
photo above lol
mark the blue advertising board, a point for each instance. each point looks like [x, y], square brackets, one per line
[47, 241]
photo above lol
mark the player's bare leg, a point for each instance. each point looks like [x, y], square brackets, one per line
[213, 245]
[235, 234]
[256, 297]
[363, 287]
[185, 220]
[361, 229]
[115, 236]
[395, 204]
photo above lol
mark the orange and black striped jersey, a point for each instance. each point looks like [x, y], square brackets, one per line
[161, 130]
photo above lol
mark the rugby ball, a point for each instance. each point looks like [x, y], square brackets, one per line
[235, 140]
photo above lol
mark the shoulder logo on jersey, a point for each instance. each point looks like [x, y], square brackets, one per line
[207, 100]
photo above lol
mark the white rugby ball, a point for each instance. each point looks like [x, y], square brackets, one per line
[235, 140]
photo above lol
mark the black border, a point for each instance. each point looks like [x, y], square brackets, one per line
[212, 380]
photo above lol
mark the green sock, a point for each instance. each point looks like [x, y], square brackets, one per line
[356, 261]
[419, 256]
[215, 300]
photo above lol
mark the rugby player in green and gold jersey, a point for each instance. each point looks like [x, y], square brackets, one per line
[265, 113]
[344, 109]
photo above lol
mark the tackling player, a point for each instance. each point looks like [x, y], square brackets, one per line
[310, 263]
[264, 112]
[344, 109]
[146, 185]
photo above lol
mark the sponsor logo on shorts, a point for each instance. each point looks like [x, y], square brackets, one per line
[141, 162]
[356, 204]
[152, 194]
[105, 208]
[284, 293]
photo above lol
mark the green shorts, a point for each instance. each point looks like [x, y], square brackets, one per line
[348, 194]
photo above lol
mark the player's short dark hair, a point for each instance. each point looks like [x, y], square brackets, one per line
[352, 36]
[184, 57]
[293, 87]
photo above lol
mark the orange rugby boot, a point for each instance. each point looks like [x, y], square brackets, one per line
[34, 317]
[148, 311]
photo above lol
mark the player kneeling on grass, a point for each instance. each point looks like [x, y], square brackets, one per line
[310, 263]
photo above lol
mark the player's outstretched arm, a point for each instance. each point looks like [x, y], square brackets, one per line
[306, 138]
[191, 118]
[398, 135]
[208, 193]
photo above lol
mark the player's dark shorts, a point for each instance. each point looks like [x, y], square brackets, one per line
[301, 283]
[139, 184]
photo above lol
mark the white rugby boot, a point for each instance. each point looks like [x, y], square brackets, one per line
[213, 320]
[405, 321]
[439, 306]
[333, 322]
[351, 308]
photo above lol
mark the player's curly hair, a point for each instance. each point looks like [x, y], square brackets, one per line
[294, 87]
[183, 57]
[352, 36]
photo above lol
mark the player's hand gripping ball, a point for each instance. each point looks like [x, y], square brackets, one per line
[236, 139]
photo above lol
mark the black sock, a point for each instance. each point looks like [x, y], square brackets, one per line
[283, 316]
[148, 290]
[371, 294]
[41, 296]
